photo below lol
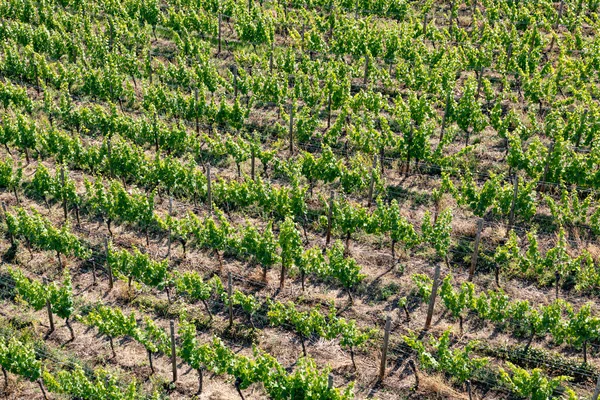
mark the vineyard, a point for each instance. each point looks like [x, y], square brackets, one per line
[299, 200]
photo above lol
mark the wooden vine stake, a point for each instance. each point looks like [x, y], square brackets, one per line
[413, 366]
[208, 190]
[253, 166]
[330, 381]
[560, 13]
[291, 128]
[109, 154]
[230, 295]
[476, 249]
[169, 234]
[271, 56]
[64, 199]
[434, 289]
[511, 218]
[329, 218]
[372, 184]
[219, 45]
[479, 77]
[94, 283]
[108, 267]
[597, 390]
[235, 87]
[4, 214]
[40, 383]
[329, 110]
[196, 112]
[49, 309]
[557, 280]
[384, 348]
[543, 185]
[382, 159]
[366, 77]
[173, 351]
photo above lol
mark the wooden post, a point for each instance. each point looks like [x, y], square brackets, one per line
[94, 283]
[373, 167]
[579, 8]
[173, 351]
[446, 111]
[386, 339]
[40, 383]
[597, 390]
[255, 144]
[4, 214]
[479, 76]
[543, 185]
[253, 166]
[581, 126]
[208, 191]
[219, 45]
[271, 56]
[413, 366]
[508, 54]
[469, 389]
[560, 12]
[170, 214]
[155, 129]
[381, 160]
[434, 289]
[330, 382]
[230, 294]
[451, 11]
[557, 279]
[49, 309]
[109, 152]
[329, 110]
[108, 267]
[111, 38]
[329, 218]
[366, 69]
[476, 249]
[235, 88]
[196, 111]
[291, 128]
[64, 200]
[150, 65]
[511, 218]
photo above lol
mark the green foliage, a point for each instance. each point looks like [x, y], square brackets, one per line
[290, 243]
[19, 358]
[533, 385]
[457, 363]
[306, 381]
[36, 294]
[39, 232]
[437, 233]
[343, 269]
[102, 385]
[139, 266]
[457, 301]
[424, 285]
[111, 322]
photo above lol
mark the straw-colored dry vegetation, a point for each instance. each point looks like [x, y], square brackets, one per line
[279, 179]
